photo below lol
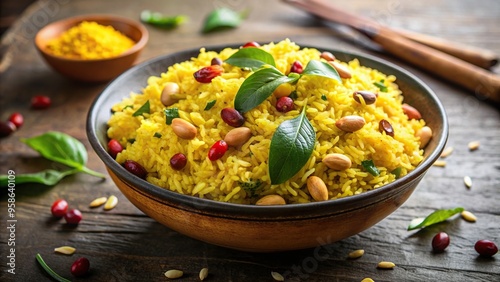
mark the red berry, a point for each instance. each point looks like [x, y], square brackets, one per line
[17, 119]
[135, 168]
[232, 117]
[40, 102]
[216, 61]
[114, 147]
[80, 267]
[206, 74]
[59, 208]
[440, 242]
[297, 67]
[284, 104]
[178, 161]
[251, 44]
[7, 128]
[73, 216]
[217, 150]
[486, 248]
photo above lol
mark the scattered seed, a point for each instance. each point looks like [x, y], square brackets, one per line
[367, 280]
[65, 250]
[486, 248]
[277, 276]
[474, 145]
[439, 163]
[356, 254]
[467, 215]
[386, 265]
[447, 152]
[98, 202]
[173, 274]
[468, 181]
[111, 202]
[203, 273]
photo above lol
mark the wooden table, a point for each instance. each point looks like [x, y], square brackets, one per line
[125, 245]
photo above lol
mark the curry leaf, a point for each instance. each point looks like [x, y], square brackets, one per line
[46, 177]
[291, 147]
[435, 217]
[320, 68]
[144, 109]
[160, 20]
[253, 58]
[258, 86]
[370, 167]
[223, 18]
[170, 114]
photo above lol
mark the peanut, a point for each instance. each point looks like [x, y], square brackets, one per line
[424, 134]
[270, 200]
[317, 188]
[184, 129]
[238, 136]
[350, 123]
[368, 97]
[411, 112]
[170, 89]
[327, 56]
[337, 161]
[343, 71]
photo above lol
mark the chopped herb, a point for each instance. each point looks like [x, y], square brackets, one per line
[223, 18]
[251, 187]
[170, 114]
[160, 20]
[49, 271]
[157, 135]
[435, 217]
[323, 97]
[370, 167]
[380, 84]
[293, 95]
[209, 105]
[131, 140]
[397, 172]
[127, 106]
[144, 109]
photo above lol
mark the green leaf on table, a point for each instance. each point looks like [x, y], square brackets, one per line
[49, 271]
[320, 68]
[223, 18]
[144, 109]
[47, 177]
[253, 58]
[160, 20]
[258, 87]
[291, 147]
[435, 217]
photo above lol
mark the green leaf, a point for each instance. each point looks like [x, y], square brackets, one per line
[49, 271]
[253, 58]
[159, 20]
[157, 135]
[381, 86]
[144, 109]
[435, 217]
[397, 172]
[209, 105]
[320, 68]
[251, 186]
[257, 87]
[170, 114]
[291, 147]
[223, 18]
[47, 177]
[370, 167]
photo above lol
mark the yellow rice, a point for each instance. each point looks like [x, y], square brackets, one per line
[221, 180]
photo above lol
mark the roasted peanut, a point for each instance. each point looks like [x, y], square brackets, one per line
[411, 112]
[170, 89]
[343, 71]
[337, 161]
[183, 129]
[327, 56]
[317, 188]
[424, 134]
[350, 123]
[238, 136]
[271, 200]
[368, 96]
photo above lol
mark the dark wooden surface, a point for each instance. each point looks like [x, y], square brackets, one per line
[125, 245]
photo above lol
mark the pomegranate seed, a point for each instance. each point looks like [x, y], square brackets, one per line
[440, 242]
[135, 168]
[80, 267]
[386, 126]
[486, 248]
[251, 44]
[7, 128]
[59, 208]
[217, 150]
[40, 102]
[297, 67]
[232, 117]
[216, 61]
[178, 161]
[17, 119]
[284, 104]
[206, 74]
[114, 147]
[73, 216]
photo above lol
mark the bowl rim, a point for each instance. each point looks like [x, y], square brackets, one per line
[73, 21]
[263, 213]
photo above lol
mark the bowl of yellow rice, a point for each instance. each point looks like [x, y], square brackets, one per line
[91, 48]
[345, 148]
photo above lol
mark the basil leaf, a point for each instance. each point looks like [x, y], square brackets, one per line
[144, 109]
[253, 58]
[257, 87]
[320, 68]
[159, 20]
[47, 177]
[209, 105]
[370, 167]
[291, 147]
[435, 217]
[223, 18]
[170, 114]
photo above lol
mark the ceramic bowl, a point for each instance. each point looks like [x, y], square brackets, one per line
[265, 228]
[98, 70]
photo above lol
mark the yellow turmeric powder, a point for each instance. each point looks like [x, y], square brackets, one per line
[89, 41]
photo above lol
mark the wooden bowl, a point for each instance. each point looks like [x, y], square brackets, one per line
[265, 228]
[95, 70]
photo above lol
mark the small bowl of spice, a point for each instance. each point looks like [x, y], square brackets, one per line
[91, 48]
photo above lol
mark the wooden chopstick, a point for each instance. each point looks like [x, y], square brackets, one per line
[483, 83]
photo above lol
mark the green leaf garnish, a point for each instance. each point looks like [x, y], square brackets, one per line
[170, 114]
[251, 186]
[291, 147]
[323, 97]
[370, 167]
[433, 218]
[253, 58]
[144, 109]
[157, 135]
[51, 272]
[381, 86]
[257, 87]
[209, 105]
[223, 18]
[320, 68]
[397, 172]
[160, 20]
